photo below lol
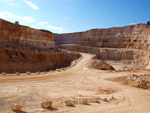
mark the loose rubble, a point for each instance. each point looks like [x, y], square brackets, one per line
[137, 80]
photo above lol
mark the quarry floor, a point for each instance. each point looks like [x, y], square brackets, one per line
[75, 83]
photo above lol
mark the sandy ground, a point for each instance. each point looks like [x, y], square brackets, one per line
[75, 83]
[118, 65]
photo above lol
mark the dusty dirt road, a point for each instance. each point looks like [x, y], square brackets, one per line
[75, 83]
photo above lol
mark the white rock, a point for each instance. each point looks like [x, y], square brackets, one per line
[83, 101]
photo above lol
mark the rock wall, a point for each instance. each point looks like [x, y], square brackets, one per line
[25, 36]
[133, 36]
[128, 56]
[14, 60]
[25, 49]
[129, 44]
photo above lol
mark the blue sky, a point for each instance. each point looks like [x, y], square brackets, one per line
[65, 16]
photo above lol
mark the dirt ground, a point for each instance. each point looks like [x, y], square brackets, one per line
[75, 83]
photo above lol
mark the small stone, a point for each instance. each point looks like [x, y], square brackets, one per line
[38, 72]
[17, 73]
[44, 72]
[113, 98]
[17, 107]
[97, 101]
[105, 100]
[28, 73]
[3, 73]
[46, 104]
[68, 102]
[83, 101]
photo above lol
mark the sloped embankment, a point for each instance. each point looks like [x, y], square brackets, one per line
[13, 60]
[99, 64]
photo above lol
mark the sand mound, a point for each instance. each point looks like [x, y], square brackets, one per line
[99, 64]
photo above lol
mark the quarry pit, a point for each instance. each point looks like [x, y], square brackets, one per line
[99, 70]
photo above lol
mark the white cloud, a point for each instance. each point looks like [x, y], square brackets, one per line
[55, 28]
[28, 19]
[5, 15]
[33, 26]
[132, 23]
[8, 15]
[11, 2]
[43, 23]
[31, 4]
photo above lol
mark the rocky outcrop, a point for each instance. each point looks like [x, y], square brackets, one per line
[14, 60]
[25, 36]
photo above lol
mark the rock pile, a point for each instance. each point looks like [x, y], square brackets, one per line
[99, 64]
[138, 80]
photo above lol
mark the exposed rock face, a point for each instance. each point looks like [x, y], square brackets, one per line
[23, 49]
[128, 56]
[134, 36]
[128, 44]
[25, 36]
[12, 60]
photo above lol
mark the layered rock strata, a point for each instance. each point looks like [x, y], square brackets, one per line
[23, 49]
[14, 60]
[128, 56]
[134, 36]
[128, 44]
[25, 36]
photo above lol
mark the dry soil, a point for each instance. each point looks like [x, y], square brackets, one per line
[75, 83]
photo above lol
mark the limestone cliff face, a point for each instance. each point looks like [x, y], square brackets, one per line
[128, 44]
[134, 36]
[127, 56]
[25, 49]
[25, 36]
